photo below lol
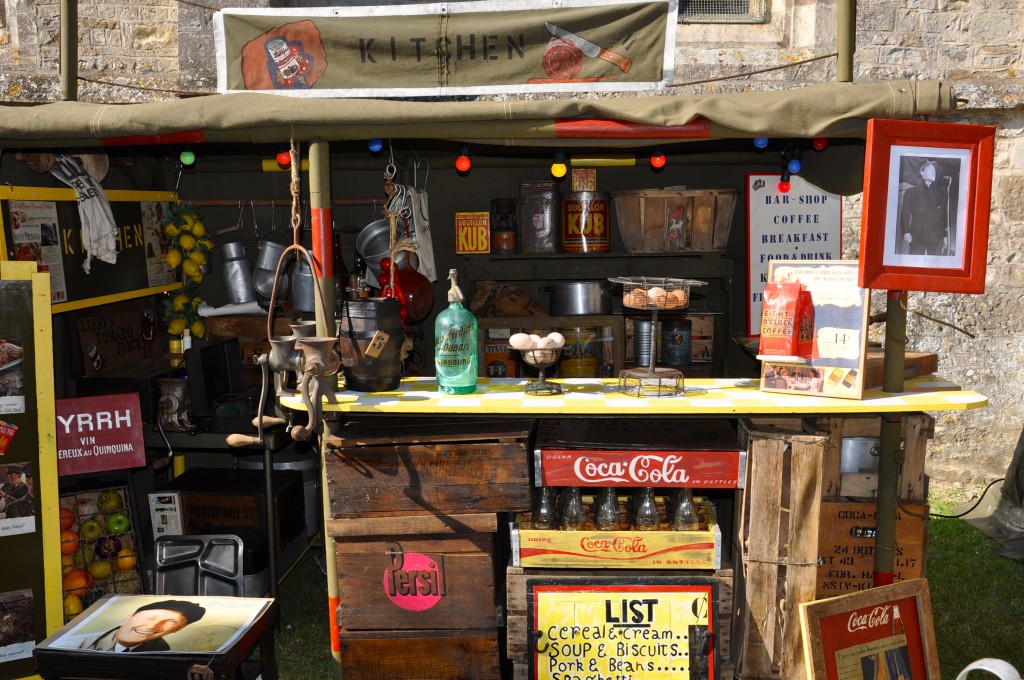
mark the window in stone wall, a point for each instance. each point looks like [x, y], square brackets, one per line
[721, 11]
[3, 13]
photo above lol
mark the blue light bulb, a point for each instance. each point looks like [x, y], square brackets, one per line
[375, 144]
[794, 166]
[760, 142]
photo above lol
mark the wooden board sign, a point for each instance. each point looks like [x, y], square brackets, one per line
[643, 629]
[632, 468]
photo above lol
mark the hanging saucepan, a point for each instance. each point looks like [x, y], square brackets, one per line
[269, 253]
[573, 298]
[374, 244]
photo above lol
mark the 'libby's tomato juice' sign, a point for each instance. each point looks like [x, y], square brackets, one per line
[100, 433]
[628, 468]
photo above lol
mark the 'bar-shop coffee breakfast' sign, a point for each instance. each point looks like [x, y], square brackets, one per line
[95, 434]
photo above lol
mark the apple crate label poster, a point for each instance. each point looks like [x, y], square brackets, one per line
[651, 630]
[101, 433]
[17, 501]
[803, 224]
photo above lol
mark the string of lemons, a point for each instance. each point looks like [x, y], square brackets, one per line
[188, 251]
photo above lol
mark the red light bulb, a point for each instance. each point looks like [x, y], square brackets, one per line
[784, 187]
[658, 162]
[284, 158]
[463, 164]
[819, 143]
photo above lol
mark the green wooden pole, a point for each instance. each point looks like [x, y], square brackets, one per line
[889, 445]
[846, 39]
[69, 50]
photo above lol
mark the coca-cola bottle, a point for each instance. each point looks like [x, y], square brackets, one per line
[684, 514]
[573, 515]
[645, 511]
[606, 509]
[897, 621]
[543, 514]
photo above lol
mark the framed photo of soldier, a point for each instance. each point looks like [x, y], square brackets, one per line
[927, 196]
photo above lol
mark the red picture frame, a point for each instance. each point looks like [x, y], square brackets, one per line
[927, 196]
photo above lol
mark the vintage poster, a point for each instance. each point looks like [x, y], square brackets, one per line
[95, 434]
[157, 243]
[17, 625]
[839, 346]
[659, 629]
[12, 374]
[17, 498]
[803, 224]
[160, 623]
[36, 237]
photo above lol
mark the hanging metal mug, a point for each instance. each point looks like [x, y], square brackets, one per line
[236, 273]
[269, 254]
[303, 287]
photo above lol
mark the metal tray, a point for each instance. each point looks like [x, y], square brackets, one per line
[208, 564]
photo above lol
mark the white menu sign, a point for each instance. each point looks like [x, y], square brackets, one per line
[804, 223]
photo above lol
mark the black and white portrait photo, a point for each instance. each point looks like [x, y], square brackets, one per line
[926, 215]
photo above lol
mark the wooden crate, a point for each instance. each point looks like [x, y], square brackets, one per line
[417, 580]
[421, 655]
[416, 465]
[849, 555]
[518, 633]
[778, 546]
[667, 220]
[917, 429]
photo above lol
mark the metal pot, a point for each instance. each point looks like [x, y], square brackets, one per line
[859, 454]
[574, 298]
[374, 244]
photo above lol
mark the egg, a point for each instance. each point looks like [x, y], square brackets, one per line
[546, 343]
[534, 339]
[682, 297]
[635, 298]
[520, 341]
[657, 296]
[557, 338]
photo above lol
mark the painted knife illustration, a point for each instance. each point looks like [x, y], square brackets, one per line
[589, 48]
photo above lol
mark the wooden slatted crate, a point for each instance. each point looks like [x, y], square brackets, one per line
[778, 545]
[419, 465]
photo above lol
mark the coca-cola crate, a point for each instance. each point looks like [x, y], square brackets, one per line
[626, 549]
[427, 466]
[629, 452]
[846, 543]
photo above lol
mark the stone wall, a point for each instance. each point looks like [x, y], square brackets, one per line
[148, 49]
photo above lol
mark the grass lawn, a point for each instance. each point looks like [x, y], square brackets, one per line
[977, 601]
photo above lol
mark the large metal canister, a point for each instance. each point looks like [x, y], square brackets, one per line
[585, 223]
[538, 216]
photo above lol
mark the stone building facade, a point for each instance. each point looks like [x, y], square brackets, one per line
[156, 49]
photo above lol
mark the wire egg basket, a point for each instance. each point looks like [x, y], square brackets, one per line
[654, 294]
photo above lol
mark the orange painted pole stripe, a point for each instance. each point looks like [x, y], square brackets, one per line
[320, 224]
[575, 128]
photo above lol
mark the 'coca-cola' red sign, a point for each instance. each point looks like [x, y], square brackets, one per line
[596, 467]
[101, 433]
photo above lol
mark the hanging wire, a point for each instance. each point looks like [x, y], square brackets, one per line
[903, 304]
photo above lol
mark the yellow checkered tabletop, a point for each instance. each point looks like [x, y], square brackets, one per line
[593, 396]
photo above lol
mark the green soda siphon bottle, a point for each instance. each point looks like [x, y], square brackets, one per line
[455, 344]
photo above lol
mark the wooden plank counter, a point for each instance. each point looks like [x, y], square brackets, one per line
[600, 397]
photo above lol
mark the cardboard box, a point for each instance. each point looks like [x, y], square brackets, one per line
[218, 500]
[627, 549]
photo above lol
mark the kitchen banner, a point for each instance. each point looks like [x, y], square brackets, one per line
[445, 49]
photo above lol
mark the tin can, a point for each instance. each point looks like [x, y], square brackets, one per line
[585, 223]
[503, 225]
[676, 342]
[538, 216]
[581, 354]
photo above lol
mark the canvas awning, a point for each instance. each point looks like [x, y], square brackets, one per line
[828, 109]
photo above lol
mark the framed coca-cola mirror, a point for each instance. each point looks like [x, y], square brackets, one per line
[883, 632]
